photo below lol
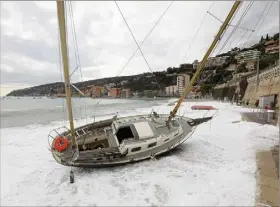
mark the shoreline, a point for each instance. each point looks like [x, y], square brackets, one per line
[133, 98]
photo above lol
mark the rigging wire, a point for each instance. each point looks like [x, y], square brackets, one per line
[232, 32]
[145, 38]
[75, 40]
[222, 37]
[219, 42]
[256, 25]
[230, 76]
[61, 78]
[265, 17]
[78, 61]
[251, 33]
[238, 23]
[244, 14]
[73, 34]
[198, 31]
[137, 43]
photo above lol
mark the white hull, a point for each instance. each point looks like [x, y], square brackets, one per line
[126, 140]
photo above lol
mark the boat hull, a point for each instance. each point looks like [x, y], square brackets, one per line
[121, 159]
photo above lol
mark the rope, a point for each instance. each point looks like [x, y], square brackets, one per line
[238, 23]
[78, 61]
[228, 38]
[198, 31]
[221, 47]
[61, 78]
[255, 25]
[60, 70]
[145, 38]
[243, 15]
[264, 17]
[247, 38]
[137, 43]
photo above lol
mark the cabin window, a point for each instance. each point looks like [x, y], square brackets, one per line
[124, 133]
[152, 144]
[135, 149]
[166, 140]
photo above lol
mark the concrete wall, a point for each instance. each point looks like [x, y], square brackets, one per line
[266, 87]
[221, 93]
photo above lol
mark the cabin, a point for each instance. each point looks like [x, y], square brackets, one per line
[124, 131]
[140, 134]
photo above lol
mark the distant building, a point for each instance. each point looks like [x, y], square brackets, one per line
[195, 64]
[251, 65]
[246, 56]
[115, 92]
[94, 91]
[182, 82]
[216, 61]
[125, 93]
[231, 67]
[272, 46]
[212, 62]
[171, 90]
[124, 82]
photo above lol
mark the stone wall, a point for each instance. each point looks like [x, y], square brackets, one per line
[269, 84]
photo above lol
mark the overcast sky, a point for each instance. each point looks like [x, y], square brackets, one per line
[29, 37]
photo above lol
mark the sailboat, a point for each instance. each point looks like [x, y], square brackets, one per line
[118, 141]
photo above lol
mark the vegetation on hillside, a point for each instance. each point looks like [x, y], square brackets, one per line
[210, 77]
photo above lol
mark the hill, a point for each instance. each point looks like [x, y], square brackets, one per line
[148, 81]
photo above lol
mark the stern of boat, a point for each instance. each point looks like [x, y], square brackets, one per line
[65, 156]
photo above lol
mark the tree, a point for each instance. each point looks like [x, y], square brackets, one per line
[267, 37]
[261, 39]
[276, 36]
[242, 68]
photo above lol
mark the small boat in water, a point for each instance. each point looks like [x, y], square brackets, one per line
[121, 140]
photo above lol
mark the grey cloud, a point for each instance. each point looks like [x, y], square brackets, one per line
[105, 43]
[35, 49]
[21, 77]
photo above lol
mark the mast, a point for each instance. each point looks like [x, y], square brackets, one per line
[63, 44]
[203, 62]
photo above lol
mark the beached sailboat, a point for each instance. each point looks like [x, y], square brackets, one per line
[122, 140]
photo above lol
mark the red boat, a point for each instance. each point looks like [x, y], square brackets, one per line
[202, 107]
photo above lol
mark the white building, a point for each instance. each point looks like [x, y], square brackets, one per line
[195, 64]
[246, 56]
[212, 62]
[182, 82]
[171, 90]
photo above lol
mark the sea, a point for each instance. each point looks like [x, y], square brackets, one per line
[23, 111]
[213, 164]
